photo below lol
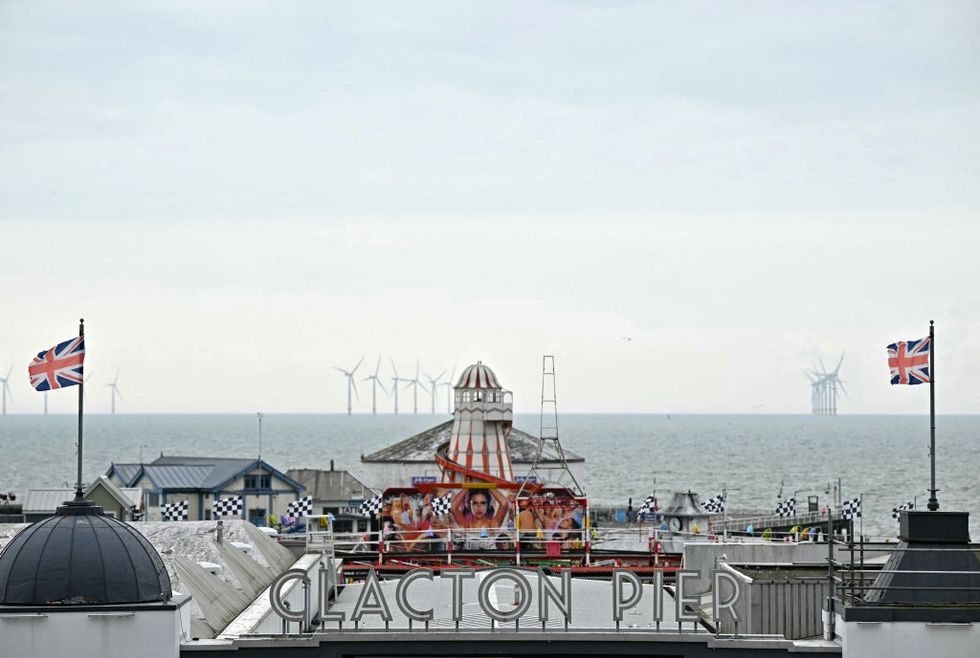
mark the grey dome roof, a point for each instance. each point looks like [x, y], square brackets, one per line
[81, 557]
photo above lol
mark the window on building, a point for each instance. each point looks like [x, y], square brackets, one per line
[257, 516]
[154, 500]
[258, 481]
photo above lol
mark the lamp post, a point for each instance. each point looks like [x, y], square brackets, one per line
[724, 509]
[259, 417]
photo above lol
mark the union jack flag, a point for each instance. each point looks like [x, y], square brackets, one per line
[58, 367]
[909, 361]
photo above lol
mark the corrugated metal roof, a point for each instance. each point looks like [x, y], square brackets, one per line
[330, 485]
[422, 447]
[219, 469]
[38, 501]
[176, 472]
[126, 472]
[178, 476]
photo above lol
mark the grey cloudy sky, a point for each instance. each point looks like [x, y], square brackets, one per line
[240, 195]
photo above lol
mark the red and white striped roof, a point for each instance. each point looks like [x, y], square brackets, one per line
[478, 376]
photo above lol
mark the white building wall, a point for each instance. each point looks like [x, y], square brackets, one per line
[281, 496]
[94, 634]
[909, 640]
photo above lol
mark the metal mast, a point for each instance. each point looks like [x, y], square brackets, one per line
[548, 432]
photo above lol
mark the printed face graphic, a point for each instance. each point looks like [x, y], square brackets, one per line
[478, 506]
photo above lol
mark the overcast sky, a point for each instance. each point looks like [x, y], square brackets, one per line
[689, 205]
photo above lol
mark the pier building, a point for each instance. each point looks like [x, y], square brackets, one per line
[336, 492]
[200, 481]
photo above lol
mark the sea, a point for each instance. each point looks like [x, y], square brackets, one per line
[759, 459]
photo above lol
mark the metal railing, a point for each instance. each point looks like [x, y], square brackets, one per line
[539, 543]
[855, 577]
[759, 523]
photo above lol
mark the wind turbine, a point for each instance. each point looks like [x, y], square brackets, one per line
[433, 383]
[375, 383]
[350, 382]
[813, 391]
[6, 388]
[394, 383]
[835, 381]
[115, 391]
[414, 383]
[449, 389]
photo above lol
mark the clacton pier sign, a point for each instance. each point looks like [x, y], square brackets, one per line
[551, 596]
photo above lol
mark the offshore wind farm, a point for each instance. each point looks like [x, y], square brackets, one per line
[377, 379]
[339, 251]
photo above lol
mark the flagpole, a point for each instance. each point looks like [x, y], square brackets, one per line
[81, 391]
[933, 501]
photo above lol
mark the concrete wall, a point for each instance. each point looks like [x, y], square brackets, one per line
[95, 634]
[909, 639]
[259, 617]
[790, 608]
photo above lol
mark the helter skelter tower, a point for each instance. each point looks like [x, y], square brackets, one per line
[477, 449]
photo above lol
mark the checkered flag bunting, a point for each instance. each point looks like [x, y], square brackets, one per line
[649, 505]
[174, 511]
[716, 504]
[442, 505]
[786, 507]
[372, 506]
[300, 507]
[851, 509]
[896, 511]
[232, 506]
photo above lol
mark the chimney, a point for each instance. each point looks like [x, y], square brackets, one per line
[331, 464]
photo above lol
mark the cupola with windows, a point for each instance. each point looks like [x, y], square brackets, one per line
[482, 420]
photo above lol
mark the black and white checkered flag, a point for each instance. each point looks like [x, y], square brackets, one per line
[901, 508]
[300, 507]
[372, 506]
[442, 505]
[786, 507]
[851, 509]
[716, 504]
[648, 505]
[231, 506]
[174, 511]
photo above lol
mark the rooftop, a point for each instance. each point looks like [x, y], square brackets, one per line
[330, 485]
[422, 447]
[178, 472]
